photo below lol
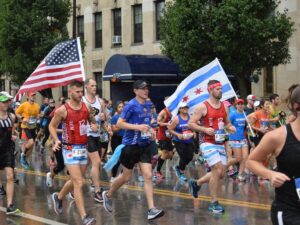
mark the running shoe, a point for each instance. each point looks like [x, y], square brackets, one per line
[215, 207]
[57, 203]
[49, 180]
[155, 213]
[88, 220]
[98, 197]
[182, 177]
[232, 172]
[12, 209]
[2, 191]
[107, 202]
[194, 188]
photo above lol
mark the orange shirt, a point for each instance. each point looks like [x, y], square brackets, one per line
[30, 113]
[262, 119]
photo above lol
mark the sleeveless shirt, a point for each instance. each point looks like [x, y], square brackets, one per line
[161, 135]
[75, 125]
[96, 106]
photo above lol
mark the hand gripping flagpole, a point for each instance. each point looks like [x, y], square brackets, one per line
[236, 97]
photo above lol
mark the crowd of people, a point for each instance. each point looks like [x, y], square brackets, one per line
[82, 128]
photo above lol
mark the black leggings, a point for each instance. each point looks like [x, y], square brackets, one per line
[185, 152]
[60, 165]
[115, 141]
[46, 135]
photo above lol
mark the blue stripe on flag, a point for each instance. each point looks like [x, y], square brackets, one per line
[193, 83]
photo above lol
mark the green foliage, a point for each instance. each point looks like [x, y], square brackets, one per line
[244, 34]
[29, 29]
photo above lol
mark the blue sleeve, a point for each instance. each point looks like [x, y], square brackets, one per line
[127, 112]
[114, 120]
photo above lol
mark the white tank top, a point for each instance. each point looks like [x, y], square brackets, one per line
[96, 106]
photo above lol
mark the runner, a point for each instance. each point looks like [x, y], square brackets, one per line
[74, 116]
[284, 143]
[213, 116]
[7, 157]
[94, 137]
[182, 139]
[28, 113]
[135, 120]
[118, 134]
[164, 140]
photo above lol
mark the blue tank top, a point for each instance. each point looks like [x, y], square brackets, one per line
[181, 128]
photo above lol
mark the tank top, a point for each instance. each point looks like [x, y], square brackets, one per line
[212, 118]
[161, 134]
[181, 128]
[96, 106]
[75, 126]
[288, 163]
[5, 132]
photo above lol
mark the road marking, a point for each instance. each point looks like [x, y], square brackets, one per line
[163, 192]
[35, 218]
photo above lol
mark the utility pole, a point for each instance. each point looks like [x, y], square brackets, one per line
[74, 19]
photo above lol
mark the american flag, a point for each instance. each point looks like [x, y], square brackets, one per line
[62, 65]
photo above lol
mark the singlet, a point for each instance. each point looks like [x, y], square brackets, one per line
[75, 125]
[96, 106]
[211, 120]
[181, 127]
[288, 163]
[6, 126]
[161, 134]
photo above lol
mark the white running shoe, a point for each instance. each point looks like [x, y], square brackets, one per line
[49, 180]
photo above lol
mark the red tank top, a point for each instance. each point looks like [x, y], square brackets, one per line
[75, 125]
[211, 120]
[161, 135]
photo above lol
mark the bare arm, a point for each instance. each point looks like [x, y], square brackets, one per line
[161, 119]
[228, 126]
[172, 127]
[59, 115]
[261, 152]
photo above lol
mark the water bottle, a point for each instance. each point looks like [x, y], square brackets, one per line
[220, 133]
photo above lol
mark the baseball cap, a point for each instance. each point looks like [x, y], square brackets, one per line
[6, 94]
[183, 104]
[239, 100]
[251, 97]
[31, 93]
[3, 98]
[140, 84]
[256, 103]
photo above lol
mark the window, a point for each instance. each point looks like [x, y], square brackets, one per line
[268, 80]
[117, 22]
[98, 30]
[159, 7]
[137, 24]
[98, 79]
[80, 27]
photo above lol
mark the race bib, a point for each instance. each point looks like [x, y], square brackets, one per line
[187, 134]
[168, 134]
[297, 184]
[220, 136]
[83, 128]
[146, 135]
[79, 152]
[32, 121]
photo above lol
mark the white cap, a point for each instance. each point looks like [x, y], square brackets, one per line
[251, 97]
[182, 104]
[6, 94]
[256, 103]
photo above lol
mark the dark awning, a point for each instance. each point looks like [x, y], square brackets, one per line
[132, 67]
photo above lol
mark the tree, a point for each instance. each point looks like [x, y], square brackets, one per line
[245, 35]
[29, 29]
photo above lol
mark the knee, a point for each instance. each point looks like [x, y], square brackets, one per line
[147, 175]
[78, 182]
[126, 177]
[238, 158]
[10, 177]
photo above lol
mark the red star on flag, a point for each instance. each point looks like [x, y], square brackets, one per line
[198, 91]
[185, 98]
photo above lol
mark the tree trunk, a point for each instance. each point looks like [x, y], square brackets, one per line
[244, 86]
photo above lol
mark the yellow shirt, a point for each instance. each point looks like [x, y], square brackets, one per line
[30, 113]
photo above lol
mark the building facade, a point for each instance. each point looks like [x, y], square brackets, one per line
[110, 27]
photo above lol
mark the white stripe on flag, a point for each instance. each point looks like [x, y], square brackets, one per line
[193, 89]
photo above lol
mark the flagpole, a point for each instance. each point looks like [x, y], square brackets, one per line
[251, 130]
[80, 57]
